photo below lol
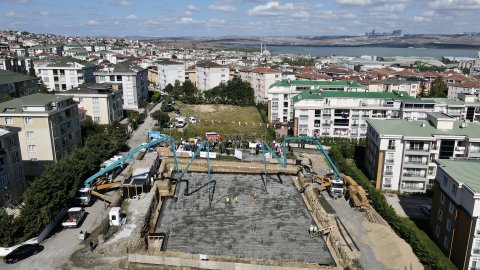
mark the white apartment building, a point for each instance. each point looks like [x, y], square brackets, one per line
[280, 94]
[64, 73]
[103, 103]
[454, 89]
[169, 72]
[210, 74]
[50, 128]
[410, 87]
[50, 49]
[401, 154]
[12, 176]
[134, 80]
[342, 114]
[454, 219]
[260, 79]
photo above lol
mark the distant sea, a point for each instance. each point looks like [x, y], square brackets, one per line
[358, 51]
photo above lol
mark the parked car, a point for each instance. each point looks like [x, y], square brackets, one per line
[170, 125]
[22, 252]
[427, 209]
[192, 120]
[212, 136]
[181, 122]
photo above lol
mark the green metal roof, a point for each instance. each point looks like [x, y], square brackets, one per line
[321, 94]
[30, 100]
[7, 76]
[287, 83]
[403, 127]
[463, 171]
[450, 101]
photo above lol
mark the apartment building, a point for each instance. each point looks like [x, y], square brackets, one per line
[210, 74]
[472, 88]
[14, 84]
[412, 87]
[12, 177]
[465, 107]
[14, 64]
[152, 77]
[280, 94]
[260, 79]
[50, 128]
[64, 73]
[401, 154]
[342, 114]
[134, 80]
[169, 72]
[454, 219]
[50, 49]
[103, 103]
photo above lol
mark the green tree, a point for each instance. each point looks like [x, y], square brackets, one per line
[156, 96]
[168, 89]
[439, 88]
[235, 92]
[190, 92]
[31, 72]
[423, 91]
[177, 89]
[161, 117]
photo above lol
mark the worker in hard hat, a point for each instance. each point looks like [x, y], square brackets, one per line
[236, 198]
[310, 230]
[315, 230]
[227, 199]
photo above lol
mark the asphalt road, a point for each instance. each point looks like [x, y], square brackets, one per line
[61, 245]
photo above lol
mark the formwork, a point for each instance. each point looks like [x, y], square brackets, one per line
[253, 224]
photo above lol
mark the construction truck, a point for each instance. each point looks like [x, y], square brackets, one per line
[103, 179]
[334, 186]
[74, 217]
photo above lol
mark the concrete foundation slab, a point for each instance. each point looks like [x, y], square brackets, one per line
[273, 226]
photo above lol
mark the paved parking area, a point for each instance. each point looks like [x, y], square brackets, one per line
[409, 205]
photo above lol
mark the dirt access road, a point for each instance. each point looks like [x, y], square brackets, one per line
[380, 248]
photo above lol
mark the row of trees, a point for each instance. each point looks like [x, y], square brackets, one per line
[47, 194]
[234, 92]
[438, 89]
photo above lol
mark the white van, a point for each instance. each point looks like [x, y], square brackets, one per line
[181, 122]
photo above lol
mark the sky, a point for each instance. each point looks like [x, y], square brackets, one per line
[181, 18]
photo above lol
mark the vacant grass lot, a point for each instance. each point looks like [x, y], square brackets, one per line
[223, 119]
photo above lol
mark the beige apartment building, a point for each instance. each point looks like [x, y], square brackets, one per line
[103, 103]
[260, 79]
[49, 128]
[12, 178]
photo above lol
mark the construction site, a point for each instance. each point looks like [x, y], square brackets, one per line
[197, 211]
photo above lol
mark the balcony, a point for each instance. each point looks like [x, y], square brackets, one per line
[389, 161]
[460, 148]
[355, 125]
[418, 150]
[391, 147]
[388, 173]
[474, 154]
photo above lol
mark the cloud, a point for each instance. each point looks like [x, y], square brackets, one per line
[92, 23]
[273, 8]
[44, 13]
[125, 3]
[10, 14]
[186, 20]
[301, 14]
[131, 17]
[354, 2]
[190, 10]
[222, 7]
[387, 8]
[454, 4]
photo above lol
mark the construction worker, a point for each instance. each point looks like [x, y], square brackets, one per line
[236, 198]
[315, 230]
[310, 230]
[227, 199]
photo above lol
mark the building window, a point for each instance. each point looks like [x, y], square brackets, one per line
[30, 134]
[445, 181]
[451, 208]
[8, 121]
[442, 198]
[28, 120]
[449, 225]
[32, 148]
[391, 144]
[13, 142]
[437, 231]
[15, 158]
[454, 189]
[387, 182]
[18, 173]
[96, 119]
[440, 215]
[445, 242]
[95, 100]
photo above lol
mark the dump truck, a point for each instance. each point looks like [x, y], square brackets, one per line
[74, 217]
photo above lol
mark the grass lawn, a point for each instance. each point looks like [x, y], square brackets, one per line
[225, 119]
[423, 231]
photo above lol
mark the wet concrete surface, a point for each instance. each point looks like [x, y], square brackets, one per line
[272, 226]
